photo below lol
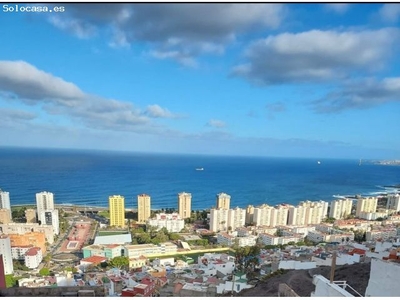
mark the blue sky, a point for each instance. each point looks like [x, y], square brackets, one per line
[298, 80]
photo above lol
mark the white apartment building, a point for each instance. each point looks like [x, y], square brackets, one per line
[340, 208]
[236, 218]
[33, 257]
[134, 251]
[50, 217]
[223, 201]
[44, 201]
[244, 241]
[368, 204]
[263, 215]
[185, 205]
[226, 239]
[281, 216]
[249, 214]
[269, 239]
[318, 236]
[385, 234]
[172, 222]
[393, 202]
[5, 251]
[19, 252]
[303, 230]
[224, 219]
[373, 215]
[5, 201]
[297, 215]
[218, 219]
[316, 212]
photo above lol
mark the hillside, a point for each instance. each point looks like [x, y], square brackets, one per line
[300, 281]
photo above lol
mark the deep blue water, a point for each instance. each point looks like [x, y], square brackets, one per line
[89, 177]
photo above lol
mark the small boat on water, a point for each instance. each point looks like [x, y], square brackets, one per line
[318, 162]
[199, 169]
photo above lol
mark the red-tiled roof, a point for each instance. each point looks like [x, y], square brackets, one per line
[32, 252]
[357, 251]
[94, 259]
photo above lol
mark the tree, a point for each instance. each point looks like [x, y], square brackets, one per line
[19, 266]
[44, 272]
[119, 262]
[174, 236]
[11, 280]
[47, 258]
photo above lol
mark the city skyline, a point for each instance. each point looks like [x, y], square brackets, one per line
[289, 80]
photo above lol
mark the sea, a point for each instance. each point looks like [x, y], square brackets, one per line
[89, 177]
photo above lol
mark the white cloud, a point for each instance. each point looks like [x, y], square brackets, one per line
[156, 111]
[79, 28]
[16, 115]
[185, 30]
[28, 83]
[390, 12]
[316, 55]
[360, 95]
[339, 8]
[20, 81]
[180, 57]
[216, 123]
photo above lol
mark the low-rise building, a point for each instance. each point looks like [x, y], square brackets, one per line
[137, 262]
[22, 228]
[384, 234]
[226, 239]
[35, 239]
[135, 251]
[172, 222]
[108, 251]
[91, 261]
[18, 252]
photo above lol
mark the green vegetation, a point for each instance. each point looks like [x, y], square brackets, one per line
[152, 236]
[18, 213]
[107, 233]
[360, 236]
[44, 272]
[63, 223]
[201, 242]
[119, 262]
[104, 213]
[329, 220]
[273, 274]
[11, 281]
[18, 265]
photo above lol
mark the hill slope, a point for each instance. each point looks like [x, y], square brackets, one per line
[357, 276]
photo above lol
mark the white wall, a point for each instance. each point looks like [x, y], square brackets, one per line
[383, 280]
[296, 265]
[323, 288]
[343, 259]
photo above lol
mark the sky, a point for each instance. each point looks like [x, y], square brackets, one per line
[285, 80]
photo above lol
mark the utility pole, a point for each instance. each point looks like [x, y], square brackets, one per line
[233, 281]
[333, 265]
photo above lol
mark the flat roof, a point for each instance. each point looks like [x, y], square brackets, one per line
[113, 239]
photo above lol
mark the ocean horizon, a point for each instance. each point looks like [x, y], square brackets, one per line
[89, 177]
